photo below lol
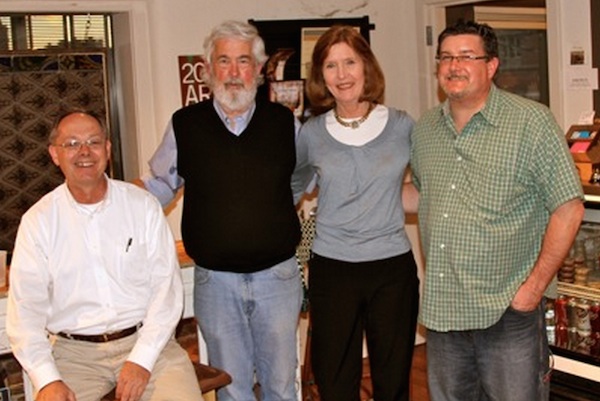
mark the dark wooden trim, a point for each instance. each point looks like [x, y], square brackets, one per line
[595, 17]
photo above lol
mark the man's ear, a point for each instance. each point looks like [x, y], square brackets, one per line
[492, 66]
[53, 154]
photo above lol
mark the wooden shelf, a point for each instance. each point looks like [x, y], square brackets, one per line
[579, 291]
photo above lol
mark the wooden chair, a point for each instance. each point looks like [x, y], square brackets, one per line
[210, 379]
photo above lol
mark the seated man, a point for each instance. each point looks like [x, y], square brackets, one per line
[95, 287]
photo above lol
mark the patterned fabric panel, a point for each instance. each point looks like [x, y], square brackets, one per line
[33, 91]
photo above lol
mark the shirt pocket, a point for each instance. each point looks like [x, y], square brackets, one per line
[135, 264]
[491, 190]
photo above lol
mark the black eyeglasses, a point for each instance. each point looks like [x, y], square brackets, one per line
[463, 58]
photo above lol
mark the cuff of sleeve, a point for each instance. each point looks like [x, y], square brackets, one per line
[164, 194]
[144, 356]
[43, 375]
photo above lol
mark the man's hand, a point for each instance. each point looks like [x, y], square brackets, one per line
[132, 382]
[56, 391]
[526, 299]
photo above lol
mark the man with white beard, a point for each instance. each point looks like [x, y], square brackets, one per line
[235, 155]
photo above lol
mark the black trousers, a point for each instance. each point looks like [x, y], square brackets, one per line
[378, 298]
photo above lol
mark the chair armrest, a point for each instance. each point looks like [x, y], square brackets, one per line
[210, 378]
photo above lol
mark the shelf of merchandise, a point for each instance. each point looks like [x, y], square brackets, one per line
[565, 360]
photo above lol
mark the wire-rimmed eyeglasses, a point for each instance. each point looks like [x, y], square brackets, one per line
[75, 145]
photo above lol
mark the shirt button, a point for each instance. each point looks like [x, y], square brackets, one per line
[445, 215]
[442, 246]
[441, 275]
[453, 186]
[459, 158]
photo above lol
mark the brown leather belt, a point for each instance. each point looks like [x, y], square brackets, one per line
[102, 338]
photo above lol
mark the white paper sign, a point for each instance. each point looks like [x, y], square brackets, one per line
[581, 78]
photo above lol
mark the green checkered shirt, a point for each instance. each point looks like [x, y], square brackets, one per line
[486, 195]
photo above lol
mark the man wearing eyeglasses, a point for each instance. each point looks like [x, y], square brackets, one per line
[95, 287]
[500, 204]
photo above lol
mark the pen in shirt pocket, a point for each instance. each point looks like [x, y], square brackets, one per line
[129, 241]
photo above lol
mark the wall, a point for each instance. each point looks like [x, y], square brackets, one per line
[572, 20]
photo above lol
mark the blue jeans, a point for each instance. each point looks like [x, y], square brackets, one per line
[505, 362]
[249, 322]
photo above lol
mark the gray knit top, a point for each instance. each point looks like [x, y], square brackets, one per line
[360, 215]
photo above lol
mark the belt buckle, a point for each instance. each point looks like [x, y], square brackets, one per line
[105, 336]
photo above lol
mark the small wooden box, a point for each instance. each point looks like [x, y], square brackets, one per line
[583, 143]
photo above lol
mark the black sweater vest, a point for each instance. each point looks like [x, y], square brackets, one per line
[238, 211]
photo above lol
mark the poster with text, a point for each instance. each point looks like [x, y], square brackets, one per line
[193, 88]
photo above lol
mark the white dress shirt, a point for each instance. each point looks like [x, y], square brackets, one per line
[92, 269]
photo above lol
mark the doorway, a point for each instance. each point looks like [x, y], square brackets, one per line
[522, 44]
[432, 14]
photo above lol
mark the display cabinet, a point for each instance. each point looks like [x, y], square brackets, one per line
[573, 316]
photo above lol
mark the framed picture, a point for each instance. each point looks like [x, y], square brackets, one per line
[296, 39]
[290, 94]
[309, 38]
[290, 44]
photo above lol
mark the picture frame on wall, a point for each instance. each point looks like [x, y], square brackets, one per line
[290, 44]
[290, 94]
[298, 36]
[309, 38]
